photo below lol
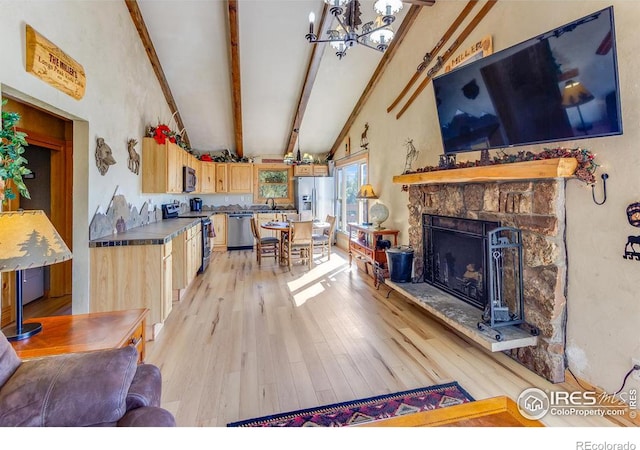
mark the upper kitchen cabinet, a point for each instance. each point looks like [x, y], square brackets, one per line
[234, 178]
[161, 167]
[207, 177]
[311, 170]
[273, 181]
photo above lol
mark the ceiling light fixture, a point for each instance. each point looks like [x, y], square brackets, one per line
[376, 34]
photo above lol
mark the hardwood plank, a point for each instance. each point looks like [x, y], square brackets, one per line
[223, 352]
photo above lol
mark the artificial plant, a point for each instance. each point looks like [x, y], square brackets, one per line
[12, 163]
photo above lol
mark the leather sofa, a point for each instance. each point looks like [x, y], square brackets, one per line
[101, 388]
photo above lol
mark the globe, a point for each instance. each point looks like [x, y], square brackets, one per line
[378, 214]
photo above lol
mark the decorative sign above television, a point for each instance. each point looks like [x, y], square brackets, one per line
[559, 86]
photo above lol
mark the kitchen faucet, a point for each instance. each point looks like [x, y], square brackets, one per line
[273, 203]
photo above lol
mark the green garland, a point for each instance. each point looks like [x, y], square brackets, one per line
[584, 172]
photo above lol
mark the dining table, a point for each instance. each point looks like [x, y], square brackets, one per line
[283, 228]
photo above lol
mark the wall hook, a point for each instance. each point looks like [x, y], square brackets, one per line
[604, 177]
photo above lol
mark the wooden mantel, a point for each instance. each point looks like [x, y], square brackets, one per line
[545, 168]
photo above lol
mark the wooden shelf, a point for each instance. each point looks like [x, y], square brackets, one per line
[545, 168]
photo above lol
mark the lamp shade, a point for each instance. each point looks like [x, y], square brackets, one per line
[575, 94]
[28, 239]
[366, 192]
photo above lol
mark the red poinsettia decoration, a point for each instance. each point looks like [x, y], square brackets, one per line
[161, 133]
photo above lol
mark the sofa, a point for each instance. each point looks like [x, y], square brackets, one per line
[100, 388]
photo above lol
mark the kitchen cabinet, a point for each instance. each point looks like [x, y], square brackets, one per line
[311, 170]
[187, 256]
[222, 179]
[234, 178]
[132, 276]
[273, 181]
[240, 178]
[219, 242]
[207, 177]
[161, 167]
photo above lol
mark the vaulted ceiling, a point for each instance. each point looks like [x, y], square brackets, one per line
[241, 75]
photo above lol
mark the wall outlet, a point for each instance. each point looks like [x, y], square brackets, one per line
[636, 373]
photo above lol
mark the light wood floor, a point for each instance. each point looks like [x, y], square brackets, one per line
[249, 341]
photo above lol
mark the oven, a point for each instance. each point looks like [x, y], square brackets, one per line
[172, 211]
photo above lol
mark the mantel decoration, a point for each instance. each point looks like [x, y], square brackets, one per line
[12, 163]
[584, 172]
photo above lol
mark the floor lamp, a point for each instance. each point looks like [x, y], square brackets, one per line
[27, 240]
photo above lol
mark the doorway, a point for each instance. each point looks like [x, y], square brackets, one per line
[50, 158]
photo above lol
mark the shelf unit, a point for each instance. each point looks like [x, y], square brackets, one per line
[362, 245]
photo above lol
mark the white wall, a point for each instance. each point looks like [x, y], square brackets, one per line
[603, 305]
[122, 97]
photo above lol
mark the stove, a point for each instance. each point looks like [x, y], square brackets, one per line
[172, 211]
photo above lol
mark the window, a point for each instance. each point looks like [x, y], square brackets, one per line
[273, 181]
[350, 174]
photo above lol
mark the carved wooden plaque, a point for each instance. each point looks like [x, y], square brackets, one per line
[53, 66]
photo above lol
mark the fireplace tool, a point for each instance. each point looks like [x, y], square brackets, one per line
[505, 302]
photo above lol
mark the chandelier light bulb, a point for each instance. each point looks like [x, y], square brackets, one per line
[312, 17]
[387, 7]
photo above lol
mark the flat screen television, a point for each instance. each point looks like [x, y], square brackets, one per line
[559, 86]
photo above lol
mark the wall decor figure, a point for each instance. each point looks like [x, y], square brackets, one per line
[134, 157]
[630, 250]
[633, 214]
[364, 141]
[104, 156]
[412, 154]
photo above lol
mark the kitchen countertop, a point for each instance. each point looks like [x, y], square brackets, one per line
[157, 233]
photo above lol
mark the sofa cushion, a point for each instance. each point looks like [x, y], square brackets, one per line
[78, 389]
[9, 360]
[146, 387]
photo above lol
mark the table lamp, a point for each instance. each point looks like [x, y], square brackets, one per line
[27, 240]
[378, 212]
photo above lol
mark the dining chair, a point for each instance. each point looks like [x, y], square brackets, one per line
[324, 239]
[299, 242]
[265, 246]
[290, 217]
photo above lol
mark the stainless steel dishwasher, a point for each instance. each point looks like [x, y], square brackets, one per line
[239, 235]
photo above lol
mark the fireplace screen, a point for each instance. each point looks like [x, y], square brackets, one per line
[455, 256]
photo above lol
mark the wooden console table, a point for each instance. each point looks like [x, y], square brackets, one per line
[362, 244]
[84, 333]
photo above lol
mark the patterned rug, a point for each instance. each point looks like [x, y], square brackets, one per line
[366, 409]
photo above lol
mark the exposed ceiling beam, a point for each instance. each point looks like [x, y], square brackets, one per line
[138, 21]
[309, 79]
[420, 2]
[236, 88]
[409, 19]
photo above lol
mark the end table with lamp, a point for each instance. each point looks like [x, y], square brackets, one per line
[363, 241]
[27, 240]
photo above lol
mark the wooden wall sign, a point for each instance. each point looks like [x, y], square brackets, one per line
[53, 66]
[477, 50]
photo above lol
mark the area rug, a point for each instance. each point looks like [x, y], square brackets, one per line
[366, 409]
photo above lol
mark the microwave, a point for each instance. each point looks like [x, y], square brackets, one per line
[188, 179]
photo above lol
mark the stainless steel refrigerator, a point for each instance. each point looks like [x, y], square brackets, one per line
[315, 197]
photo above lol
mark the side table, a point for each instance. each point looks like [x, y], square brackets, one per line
[86, 332]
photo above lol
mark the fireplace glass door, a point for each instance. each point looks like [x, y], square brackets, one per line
[455, 256]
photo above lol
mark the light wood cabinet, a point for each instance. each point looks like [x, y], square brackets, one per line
[311, 170]
[187, 256]
[132, 276]
[222, 179]
[207, 177]
[240, 178]
[161, 167]
[219, 242]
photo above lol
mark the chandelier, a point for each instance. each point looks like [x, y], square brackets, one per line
[376, 34]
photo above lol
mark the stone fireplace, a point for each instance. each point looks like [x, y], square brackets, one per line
[536, 207]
